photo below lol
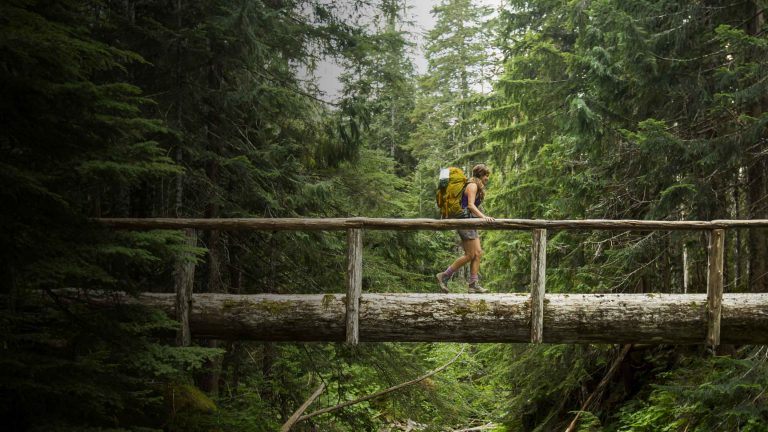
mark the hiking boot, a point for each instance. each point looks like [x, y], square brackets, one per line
[442, 280]
[475, 288]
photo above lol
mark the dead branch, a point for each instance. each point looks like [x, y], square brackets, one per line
[381, 393]
[295, 417]
[571, 427]
[476, 428]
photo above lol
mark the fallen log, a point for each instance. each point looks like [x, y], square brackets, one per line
[409, 317]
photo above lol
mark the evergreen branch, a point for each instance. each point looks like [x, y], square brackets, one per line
[383, 392]
[289, 86]
[600, 387]
[687, 59]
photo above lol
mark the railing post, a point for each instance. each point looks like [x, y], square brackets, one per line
[354, 283]
[538, 282]
[714, 285]
[184, 278]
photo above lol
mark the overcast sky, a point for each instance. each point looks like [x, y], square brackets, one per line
[419, 12]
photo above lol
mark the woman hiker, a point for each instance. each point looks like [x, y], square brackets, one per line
[474, 193]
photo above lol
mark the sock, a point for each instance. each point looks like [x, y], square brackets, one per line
[474, 278]
[448, 272]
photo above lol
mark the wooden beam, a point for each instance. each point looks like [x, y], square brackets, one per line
[432, 317]
[340, 224]
[184, 278]
[538, 282]
[715, 267]
[354, 284]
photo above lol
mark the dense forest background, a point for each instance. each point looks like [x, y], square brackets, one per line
[177, 108]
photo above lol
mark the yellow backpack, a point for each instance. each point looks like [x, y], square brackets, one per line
[450, 188]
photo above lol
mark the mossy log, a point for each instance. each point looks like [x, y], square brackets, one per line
[408, 317]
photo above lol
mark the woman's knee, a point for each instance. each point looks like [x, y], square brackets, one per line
[475, 254]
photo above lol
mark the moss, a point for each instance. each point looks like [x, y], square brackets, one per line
[273, 307]
[232, 304]
[188, 398]
[472, 306]
[479, 306]
[327, 300]
[269, 306]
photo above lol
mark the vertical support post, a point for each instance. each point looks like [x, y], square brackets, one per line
[184, 277]
[354, 283]
[715, 267]
[538, 283]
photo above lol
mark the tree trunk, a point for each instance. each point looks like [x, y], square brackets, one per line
[210, 380]
[178, 199]
[568, 318]
[235, 265]
[758, 250]
[758, 244]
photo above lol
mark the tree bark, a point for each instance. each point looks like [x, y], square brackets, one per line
[210, 380]
[568, 318]
[178, 199]
[756, 193]
[758, 250]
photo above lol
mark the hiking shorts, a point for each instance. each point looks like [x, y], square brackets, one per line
[467, 234]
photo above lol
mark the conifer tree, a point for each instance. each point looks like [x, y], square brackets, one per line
[636, 110]
[457, 51]
[77, 143]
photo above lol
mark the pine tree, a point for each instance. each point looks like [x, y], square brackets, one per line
[617, 110]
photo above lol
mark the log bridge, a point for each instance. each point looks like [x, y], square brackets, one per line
[713, 318]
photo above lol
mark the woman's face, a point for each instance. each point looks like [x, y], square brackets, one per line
[485, 178]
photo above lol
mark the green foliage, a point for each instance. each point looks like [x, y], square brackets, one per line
[640, 110]
[717, 393]
[79, 367]
[540, 381]
[601, 109]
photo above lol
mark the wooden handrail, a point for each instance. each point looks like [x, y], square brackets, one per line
[342, 224]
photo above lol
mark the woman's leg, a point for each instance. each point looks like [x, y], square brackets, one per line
[475, 252]
[444, 276]
[460, 261]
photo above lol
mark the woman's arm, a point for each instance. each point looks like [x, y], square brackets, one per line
[471, 192]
